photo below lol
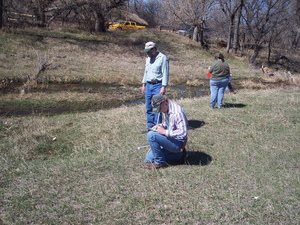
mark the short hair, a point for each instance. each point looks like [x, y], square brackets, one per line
[219, 56]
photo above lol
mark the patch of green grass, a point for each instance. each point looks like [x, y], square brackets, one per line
[85, 168]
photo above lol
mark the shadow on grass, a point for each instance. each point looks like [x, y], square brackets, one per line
[231, 105]
[194, 124]
[42, 34]
[194, 159]
[198, 158]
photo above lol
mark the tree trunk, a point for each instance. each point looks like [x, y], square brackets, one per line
[229, 39]
[1, 14]
[243, 39]
[201, 34]
[237, 28]
[256, 51]
[196, 34]
[100, 22]
[38, 10]
[269, 51]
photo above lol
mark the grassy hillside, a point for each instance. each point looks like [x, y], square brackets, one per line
[114, 57]
[84, 167]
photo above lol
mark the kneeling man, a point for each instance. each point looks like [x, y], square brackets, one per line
[167, 140]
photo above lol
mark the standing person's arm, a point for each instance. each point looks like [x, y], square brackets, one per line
[165, 75]
[143, 88]
[162, 90]
[144, 81]
[211, 68]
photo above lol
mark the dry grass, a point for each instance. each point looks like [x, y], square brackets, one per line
[85, 168]
[252, 85]
[266, 82]
[115, 57]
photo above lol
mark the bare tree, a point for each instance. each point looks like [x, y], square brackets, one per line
[232, 9]
[149, 10]
[46, 11]
[276, 36]
[191, 12]
[236, 29]
[101, 10]
[261, 18]
[93, 14]
[27, 10]
[39, 10]
[295, 23]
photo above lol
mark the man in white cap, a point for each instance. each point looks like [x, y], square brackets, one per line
[155, 80]
[167, 140]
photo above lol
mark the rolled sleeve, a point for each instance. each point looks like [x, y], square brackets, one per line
[165, 71]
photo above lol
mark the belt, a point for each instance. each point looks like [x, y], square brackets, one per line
[155, 82]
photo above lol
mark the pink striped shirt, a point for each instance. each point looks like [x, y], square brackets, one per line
[175, 122]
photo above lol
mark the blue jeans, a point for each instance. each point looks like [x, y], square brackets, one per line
[217, 89]
[151, 90]
[163, 149]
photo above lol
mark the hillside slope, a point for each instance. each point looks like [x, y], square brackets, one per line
[114, 57]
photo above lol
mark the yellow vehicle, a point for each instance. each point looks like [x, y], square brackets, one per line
[126, 25]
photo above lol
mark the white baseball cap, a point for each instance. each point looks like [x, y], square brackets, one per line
[149, 45]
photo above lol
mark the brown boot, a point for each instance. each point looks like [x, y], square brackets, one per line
[183, 157]
[151, 166]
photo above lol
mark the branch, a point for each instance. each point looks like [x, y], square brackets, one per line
[42, 66]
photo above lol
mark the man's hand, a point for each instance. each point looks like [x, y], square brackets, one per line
[163, 90]
[159, 129]
[143, 89]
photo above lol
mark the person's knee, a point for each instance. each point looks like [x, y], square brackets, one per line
[151, 135]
